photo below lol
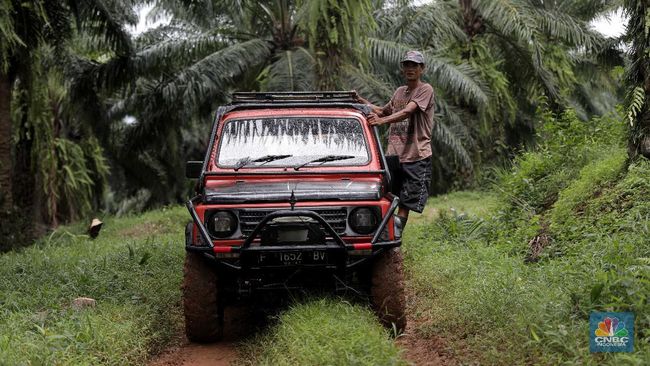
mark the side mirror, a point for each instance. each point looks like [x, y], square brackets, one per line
[193, 169]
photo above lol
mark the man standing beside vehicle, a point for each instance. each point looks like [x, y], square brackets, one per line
[410, 115]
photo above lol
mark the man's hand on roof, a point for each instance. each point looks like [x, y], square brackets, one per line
[375, 120]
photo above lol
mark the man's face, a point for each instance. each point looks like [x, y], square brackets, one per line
[412, 70]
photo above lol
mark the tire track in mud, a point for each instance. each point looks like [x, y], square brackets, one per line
[424, 351]
[245, 321]
[241, 323]
[215, 354]
[416, 350]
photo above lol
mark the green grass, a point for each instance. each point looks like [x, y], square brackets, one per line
[464, 257]
[473, 287]
[133, 271]
[324, 332]
[495, 309]
[464, 202]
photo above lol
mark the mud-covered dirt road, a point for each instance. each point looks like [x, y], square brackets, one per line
[186, 354]
[416, 350]
[238, 327]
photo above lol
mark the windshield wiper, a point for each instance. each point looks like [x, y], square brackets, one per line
[265, 159]
[325, 159]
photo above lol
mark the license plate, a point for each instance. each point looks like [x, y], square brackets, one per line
[293, 258]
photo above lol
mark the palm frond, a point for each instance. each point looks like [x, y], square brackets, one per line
[213, 74]
[585, 10]
[429, 25]
[165, 54]
[508, 17]
[529, 61]
[155, 101]
[7, 33]
[610, 54]
[165, 32]
[457, 120]
[205, 14]
[367, 85]
[568, 29]
[443, 136]
[86, 75]
[106, 22]
[459, 79]
[293, 70]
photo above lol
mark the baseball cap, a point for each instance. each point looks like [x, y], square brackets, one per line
[414, 56]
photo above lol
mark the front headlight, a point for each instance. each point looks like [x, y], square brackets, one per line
[364, 220]
[222, 224]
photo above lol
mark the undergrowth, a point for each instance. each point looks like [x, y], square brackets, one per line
[470, 272]
[132, 270]
[472, 277]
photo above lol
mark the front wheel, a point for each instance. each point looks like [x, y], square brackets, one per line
[387, 293]
[203, 322]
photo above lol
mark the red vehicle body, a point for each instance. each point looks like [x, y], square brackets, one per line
[301, 217]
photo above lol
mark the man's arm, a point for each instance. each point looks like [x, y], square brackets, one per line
[377, 120]
[380, 111]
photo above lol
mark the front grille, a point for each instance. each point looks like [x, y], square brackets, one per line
[336, 217]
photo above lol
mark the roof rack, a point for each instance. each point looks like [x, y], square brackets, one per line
[295, 97]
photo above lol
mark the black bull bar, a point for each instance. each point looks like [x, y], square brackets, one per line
[336, 248]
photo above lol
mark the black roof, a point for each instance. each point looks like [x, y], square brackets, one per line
[316, 97]
[265, 100]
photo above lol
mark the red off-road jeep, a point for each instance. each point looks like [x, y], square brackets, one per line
[293, 192]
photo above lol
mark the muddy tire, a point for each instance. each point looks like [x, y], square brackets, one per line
[200, 300]
[387, 289]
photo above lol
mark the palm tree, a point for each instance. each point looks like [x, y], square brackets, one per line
[211, 48]
[492, 64]
[534, 39]
[25, 27]
[432, 28]
[334, 30]
[638, 76]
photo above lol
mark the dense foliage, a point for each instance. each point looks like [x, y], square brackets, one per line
[136, 312]
[51, 165]
[507, 275]
[133, 270]
[142, 104]
[95, 118]
[563, 233]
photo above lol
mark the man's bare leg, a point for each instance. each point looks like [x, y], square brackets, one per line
[403, 214]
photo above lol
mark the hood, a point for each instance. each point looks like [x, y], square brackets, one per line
[310, 190]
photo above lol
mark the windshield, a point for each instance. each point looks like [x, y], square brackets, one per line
[292, 141]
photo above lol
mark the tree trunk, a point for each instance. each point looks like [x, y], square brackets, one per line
[6, 199]
[639, 75]
[473, 23]
[24, 182]
[641, 143]
[641, 133]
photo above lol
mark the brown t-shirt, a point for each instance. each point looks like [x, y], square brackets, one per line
[410, 139]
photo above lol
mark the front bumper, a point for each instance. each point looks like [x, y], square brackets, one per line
[340, 256]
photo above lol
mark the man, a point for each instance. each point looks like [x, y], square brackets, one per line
[410, 115]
